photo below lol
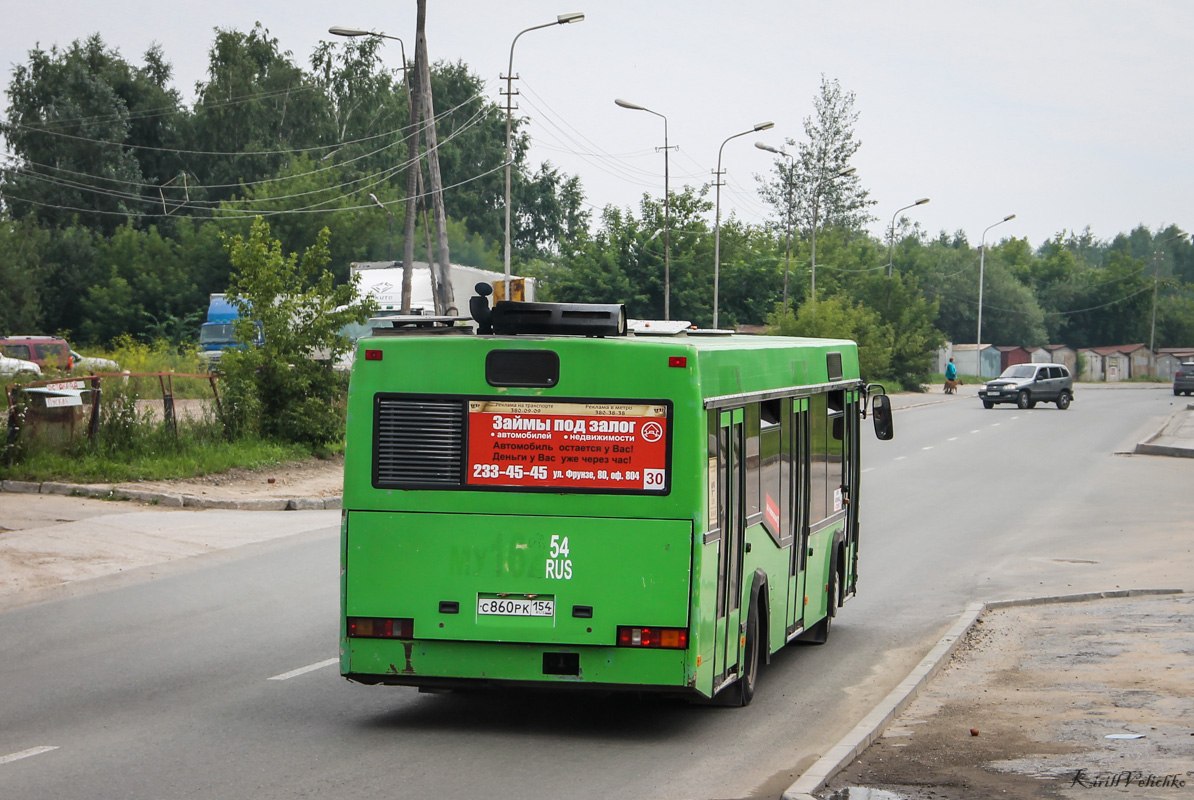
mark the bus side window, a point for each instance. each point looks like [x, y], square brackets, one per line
[716, 492]
[773, 467]
[835, 473]
[753, 465]
[819, 457]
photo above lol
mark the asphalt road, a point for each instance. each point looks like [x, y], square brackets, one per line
[191, 685]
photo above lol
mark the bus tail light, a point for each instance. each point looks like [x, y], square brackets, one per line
[380, 628]
[373, 355]
[666, 638]
[677, 361]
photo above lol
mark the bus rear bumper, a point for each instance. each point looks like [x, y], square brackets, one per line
[461, 665]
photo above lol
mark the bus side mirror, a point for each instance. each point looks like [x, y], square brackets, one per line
[881, 413]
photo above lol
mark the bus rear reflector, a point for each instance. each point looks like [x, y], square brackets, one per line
[667, 638]
[380, 628]
[373, 355]
[677, 361]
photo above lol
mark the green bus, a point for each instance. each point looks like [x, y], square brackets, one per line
[556, 500]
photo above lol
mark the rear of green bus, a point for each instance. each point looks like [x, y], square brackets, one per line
[521, 511]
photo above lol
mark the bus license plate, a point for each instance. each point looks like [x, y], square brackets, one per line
[516, 607]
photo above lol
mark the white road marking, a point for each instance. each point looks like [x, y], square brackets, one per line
[32, 751]
[974, 431]
[868, 469]
[930, 447]
[900, 458]
[294, 673]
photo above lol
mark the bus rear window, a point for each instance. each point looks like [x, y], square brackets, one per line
[525, 368]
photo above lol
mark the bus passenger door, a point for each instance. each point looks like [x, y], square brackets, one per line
[851, 475]
[796, 440]
[732, 524]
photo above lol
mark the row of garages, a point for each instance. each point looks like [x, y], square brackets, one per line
[1111, 363]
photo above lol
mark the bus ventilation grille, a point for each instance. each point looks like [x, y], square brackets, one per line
[419, 443]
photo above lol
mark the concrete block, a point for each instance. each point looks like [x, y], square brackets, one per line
[23, 487]
[193, 501]
[333, 503]
[263, 504]
[76, 489]
[305, 504]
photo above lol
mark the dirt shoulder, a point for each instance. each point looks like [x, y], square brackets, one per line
[1028, 701]
[312, 477]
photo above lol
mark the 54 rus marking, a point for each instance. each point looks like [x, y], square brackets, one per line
[559, 566]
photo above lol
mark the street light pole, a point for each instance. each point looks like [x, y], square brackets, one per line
[788, 220]
[982, 258]
[667, 210]
[762, 126]
[414, 182]
[816, 207]
[891, 235]
[1152, 335]
[390, 214]
[562, 19]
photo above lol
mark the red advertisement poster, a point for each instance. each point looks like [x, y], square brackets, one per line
[618, 447]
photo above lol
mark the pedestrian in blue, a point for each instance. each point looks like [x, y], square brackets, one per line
[951, 378]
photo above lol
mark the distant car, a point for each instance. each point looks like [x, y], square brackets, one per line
[1183, 379]
[90, 364]
[48, 352]
[10, 367]
[1029, 384]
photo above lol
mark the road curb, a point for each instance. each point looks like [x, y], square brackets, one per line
[171, 500]
[873, 724]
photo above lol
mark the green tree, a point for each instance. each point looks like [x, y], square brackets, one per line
[255, 108]
[147, 294]
[90, 134]
[22, 248]
[838, 317]
[286, 388]
[908, 318]
[812, 188]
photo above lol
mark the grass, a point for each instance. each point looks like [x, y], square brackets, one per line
[197, 458]
[132, 443]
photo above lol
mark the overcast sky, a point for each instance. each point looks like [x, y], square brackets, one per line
[1066, 113]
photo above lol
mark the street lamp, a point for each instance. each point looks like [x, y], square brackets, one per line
[891, 237]
[762, 126]
[816, 208]
[788, 225]
[414, 185]
[562, 19]
[351, 32]
[667, 210]
[982, 258]
[1152, 335]
[390, 245]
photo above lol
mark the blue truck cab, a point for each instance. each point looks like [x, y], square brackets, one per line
[218, 333]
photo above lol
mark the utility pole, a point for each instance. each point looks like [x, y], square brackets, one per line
[422, 64]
